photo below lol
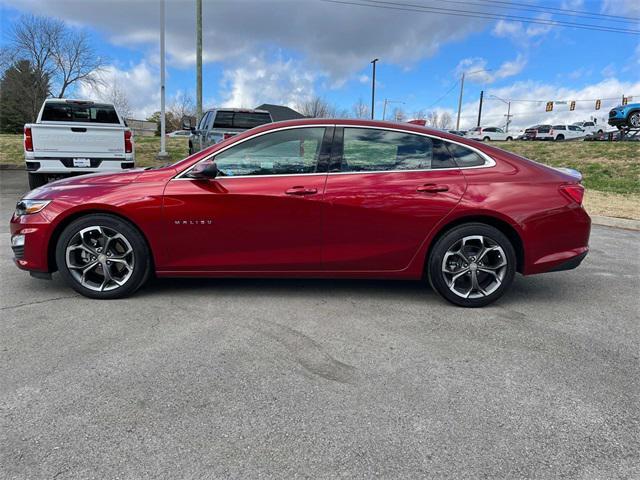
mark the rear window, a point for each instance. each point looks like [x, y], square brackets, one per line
[559, 127]
[243, 120]
[78, 112]
[464, 157]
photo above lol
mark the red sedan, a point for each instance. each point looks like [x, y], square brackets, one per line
[312, 198]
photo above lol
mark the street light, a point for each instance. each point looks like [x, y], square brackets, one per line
[508, 115]
[373, 87]
[462, 89]
[386, 102]
[162, 154]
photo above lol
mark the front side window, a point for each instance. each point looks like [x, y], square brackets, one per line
[287, 152]
[372, 150]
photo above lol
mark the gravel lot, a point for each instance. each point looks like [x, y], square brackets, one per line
[322, 379]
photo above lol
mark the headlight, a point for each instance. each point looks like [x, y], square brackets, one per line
[27, 207]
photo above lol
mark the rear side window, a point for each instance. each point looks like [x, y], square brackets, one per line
[244, 120]
[79, 112]
[372, 150]
[559, 127]
[465, 157]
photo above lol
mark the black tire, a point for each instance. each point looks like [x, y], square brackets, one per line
[559, 138]
[450, 240]
[140, 258]
[509, 139]
[634, 119]
[486, 139]
[36, 180]
[190, 148]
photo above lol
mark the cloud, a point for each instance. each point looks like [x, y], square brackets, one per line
[141, 84]
[525, 114]
[625, 8]
[478, 71]
[257, 81]
[521, 34]
[339, 39]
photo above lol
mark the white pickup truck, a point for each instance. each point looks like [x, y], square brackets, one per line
[72, 137]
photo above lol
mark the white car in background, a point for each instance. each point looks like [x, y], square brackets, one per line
[562, 132]
[590, 127]
[486, 134]
[180, 133]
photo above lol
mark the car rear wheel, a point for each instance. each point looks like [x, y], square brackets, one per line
[559, 138]
[486, 139]
[472, 265]
[103, 256]
[509, 139]
[36, 180]
[634, 119]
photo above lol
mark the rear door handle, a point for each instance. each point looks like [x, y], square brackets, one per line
[301, 191]
[432, 188]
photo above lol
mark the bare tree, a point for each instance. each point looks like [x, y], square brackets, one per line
[399, 115]
[55, 51]
[360, 109]
[180, 106]
[445, 120]
[316, 107]
[114, 94]
[419, 115]
[432, 119]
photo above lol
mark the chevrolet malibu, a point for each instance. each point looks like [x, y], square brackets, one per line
[312, 198]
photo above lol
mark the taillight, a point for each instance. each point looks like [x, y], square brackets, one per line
[574, 191]
[128, 143]
[28, 140]
[551, 132]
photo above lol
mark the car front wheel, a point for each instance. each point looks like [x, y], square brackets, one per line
[472, 265]
[103, 256]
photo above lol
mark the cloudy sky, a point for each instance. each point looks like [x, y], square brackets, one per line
[284, 51]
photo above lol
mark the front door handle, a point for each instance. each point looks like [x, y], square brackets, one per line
[432, 188]
[301, 191]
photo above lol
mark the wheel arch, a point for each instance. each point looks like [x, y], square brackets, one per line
[505, 227]
[66, 221]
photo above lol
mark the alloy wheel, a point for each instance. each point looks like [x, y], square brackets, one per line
[100, 258]
[474, 266]
[634, 119]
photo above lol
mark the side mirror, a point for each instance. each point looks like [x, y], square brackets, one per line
[207, 170]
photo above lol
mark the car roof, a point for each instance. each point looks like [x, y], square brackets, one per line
[237, 110]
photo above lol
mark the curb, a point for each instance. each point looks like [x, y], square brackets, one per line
[614, 222]
[624, 223]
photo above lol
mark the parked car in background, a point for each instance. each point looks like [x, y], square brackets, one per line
[564, 132]
[218, 124]
[72, 137]
[180, 133]
[313, 198]
[625, 116]
[537, 132]
[590, 127]
[486, 134]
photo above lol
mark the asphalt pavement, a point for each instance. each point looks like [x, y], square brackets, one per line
[322, 379]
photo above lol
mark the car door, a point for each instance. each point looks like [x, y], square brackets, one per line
[385, 192]
[261, 213]
[499, 134]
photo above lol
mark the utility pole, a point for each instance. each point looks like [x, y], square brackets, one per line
[388, 102]
[198, 60]
[373, 88]
[162, 155]
[508, 116]
[480, 108]
[460, 102]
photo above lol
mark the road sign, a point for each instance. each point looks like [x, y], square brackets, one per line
[625, 100]
[598, 103]
[549, 106]
[572, 105]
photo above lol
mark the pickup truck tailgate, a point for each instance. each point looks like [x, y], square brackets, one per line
[78, 140]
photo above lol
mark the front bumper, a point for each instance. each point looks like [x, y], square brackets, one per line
[36, 229]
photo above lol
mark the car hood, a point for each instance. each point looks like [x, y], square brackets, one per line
[54, 189]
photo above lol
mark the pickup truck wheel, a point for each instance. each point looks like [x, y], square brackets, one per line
[103, 256]
[634, 119]
[560, 138]
[486, 139]
[509, 139]
[36, 180]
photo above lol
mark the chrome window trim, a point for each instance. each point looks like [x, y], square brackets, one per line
[489, 162]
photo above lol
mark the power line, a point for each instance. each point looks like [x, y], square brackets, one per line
[475, 14]
[577, 13]
[447, 93]
[505, 16]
